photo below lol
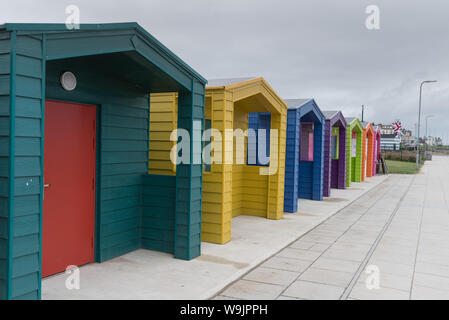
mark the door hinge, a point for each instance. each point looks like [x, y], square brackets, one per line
[92, 241]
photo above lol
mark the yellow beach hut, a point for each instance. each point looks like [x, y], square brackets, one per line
[231, 187]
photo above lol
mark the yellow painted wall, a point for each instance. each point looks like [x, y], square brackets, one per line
[163, 119]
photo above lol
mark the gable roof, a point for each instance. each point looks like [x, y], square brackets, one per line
[305, 106]
[354, 122]
[296, 103]
[368, 126]
[58, 28]
[247, 87]
[227, 82]
[330, 114]
[335, 116]
[350, 119]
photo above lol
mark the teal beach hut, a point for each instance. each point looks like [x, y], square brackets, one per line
[74, 130]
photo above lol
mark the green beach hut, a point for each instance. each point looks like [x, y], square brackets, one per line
[354, 151]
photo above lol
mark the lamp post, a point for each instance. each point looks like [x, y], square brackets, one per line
[419, 119]
[363, 111]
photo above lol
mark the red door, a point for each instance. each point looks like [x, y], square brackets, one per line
[69, 186]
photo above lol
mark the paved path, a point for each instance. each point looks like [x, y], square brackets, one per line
[145, 274]
[398, 232]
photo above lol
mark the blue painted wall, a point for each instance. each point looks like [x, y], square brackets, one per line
[257, 121]
[303, 179]
[311, 172]
[292, 162]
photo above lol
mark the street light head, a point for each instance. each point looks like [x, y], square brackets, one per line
[430, 81]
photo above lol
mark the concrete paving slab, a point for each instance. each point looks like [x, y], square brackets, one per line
[397, 257]
[272, 276]
[431, 268]
[319, 247]
[345, 254]
[313, 291]
[301, 254]
[224, 298]
[287, 264]
[329, 277]
[431, 281]
[433, 258]
[426, 293]
[336, 265]
[302, 244]
[393, 268]
[387, 280]
[288, 298]
[248, 290]
[361, 292]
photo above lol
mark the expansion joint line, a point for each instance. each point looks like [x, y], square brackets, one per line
[362, 267]
[418, 241]
[352, 224]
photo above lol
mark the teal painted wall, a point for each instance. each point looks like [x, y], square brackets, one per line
[28, 96]
[158, 212]
[189, 178]
[5, 69]
[123, 151]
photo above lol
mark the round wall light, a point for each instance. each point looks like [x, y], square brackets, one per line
[68, 81]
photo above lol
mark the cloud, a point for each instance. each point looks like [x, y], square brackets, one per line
[314, 48]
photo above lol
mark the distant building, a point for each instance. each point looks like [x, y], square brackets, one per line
[408, 139]
[430, 141]
[390, 142]
[386, 129]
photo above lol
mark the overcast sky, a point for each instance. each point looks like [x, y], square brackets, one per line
[305, 49]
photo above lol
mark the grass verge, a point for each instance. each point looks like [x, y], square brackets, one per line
[402, 167]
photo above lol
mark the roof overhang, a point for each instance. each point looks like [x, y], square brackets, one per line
[110, 38]
[368, 129]
[254, 92]
[355, 124]
[306, 107]
[337, 117]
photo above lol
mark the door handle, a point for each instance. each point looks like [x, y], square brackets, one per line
[46, 185]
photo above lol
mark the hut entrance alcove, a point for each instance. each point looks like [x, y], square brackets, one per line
[368, 150]
[376, 153]
[334, 152]
[354, 151]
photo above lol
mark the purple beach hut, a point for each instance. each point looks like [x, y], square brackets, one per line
[334, 152]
